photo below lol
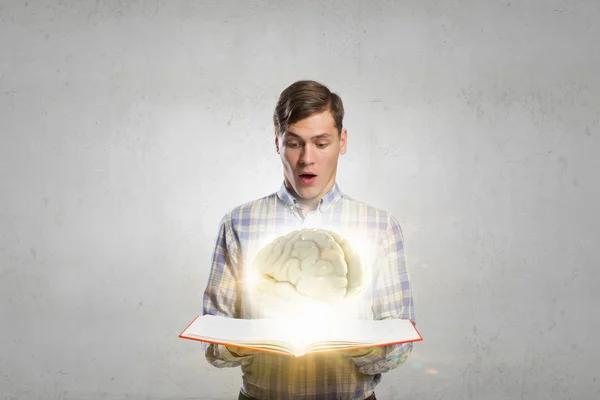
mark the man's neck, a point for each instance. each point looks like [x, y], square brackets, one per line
[308, 207]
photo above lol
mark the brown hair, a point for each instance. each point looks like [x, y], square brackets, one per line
[305, 98]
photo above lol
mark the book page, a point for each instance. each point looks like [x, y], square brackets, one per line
[299, 334]
[329, 346]
[364, 331]
[250, 332]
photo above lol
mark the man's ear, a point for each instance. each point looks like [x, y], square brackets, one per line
[343, 141]
[276, 141]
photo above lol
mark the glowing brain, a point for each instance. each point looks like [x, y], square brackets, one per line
[318, 263]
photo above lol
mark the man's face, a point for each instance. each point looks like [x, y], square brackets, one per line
[309, 151]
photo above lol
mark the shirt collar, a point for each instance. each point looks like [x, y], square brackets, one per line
[333, 195]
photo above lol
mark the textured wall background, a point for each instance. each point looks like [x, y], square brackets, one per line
[128, 128]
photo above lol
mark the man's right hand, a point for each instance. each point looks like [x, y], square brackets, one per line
[240, 351]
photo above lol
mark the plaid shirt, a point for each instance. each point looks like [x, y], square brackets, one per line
[249, 227]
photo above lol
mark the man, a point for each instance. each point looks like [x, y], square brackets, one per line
[309, 137]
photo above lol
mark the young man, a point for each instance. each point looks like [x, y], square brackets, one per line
[309, 137]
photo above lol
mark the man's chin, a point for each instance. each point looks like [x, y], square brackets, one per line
[307, 195]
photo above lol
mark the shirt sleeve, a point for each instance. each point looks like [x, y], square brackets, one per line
[222, 295]
[392, 298]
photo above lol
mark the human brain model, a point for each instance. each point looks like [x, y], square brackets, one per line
[317, 263]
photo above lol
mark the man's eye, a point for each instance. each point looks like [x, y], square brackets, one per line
[292, 145]
[322, 145]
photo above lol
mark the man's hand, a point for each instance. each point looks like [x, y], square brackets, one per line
[240, 351]
[358, 352]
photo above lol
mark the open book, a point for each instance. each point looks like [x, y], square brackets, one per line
[297, 337]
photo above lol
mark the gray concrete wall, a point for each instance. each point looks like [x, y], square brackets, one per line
[128, 128]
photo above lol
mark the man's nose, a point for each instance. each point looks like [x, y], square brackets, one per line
[307, 155]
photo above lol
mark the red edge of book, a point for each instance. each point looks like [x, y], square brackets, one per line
[181, 335]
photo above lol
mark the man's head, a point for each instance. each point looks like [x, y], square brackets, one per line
[309, 136]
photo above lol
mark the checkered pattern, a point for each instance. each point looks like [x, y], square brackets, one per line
[376, 233]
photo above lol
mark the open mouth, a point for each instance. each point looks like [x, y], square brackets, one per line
[307, 178]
